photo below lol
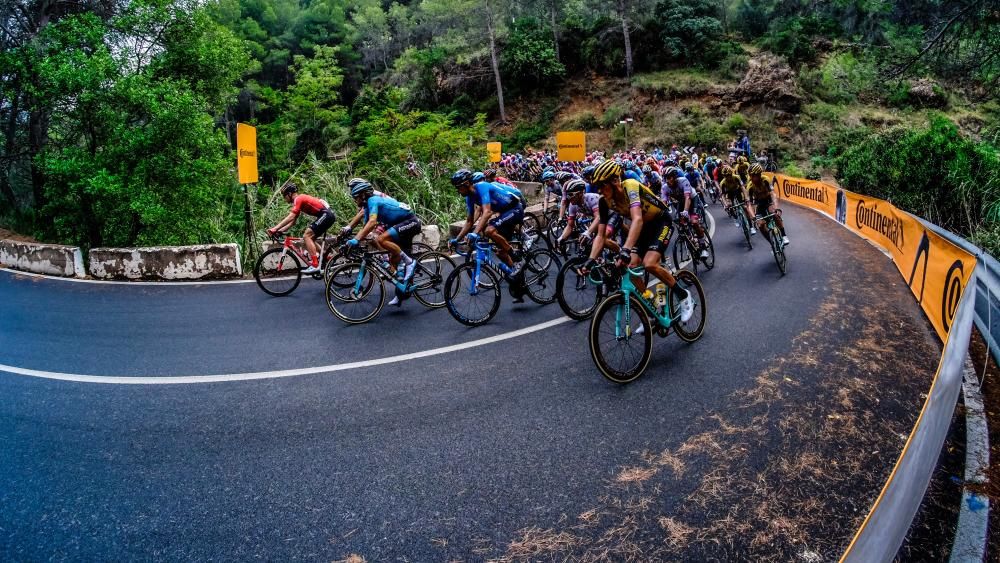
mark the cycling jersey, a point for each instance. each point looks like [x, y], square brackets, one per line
[636, 195]
[633, 175]
[589, 205]
[387, 211]
[732, 187]
[311, 205]
[694, 177]
[759, 189]
[499, 197]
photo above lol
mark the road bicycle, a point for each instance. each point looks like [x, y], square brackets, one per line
[278, 271]
[688, 247]
[621, 330]
[773, 235]
[738, 212]
[472, 290]
[355, 290]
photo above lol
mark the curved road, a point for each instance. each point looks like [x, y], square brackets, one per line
[768, 438]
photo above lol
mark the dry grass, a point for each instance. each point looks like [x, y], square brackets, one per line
[536, 541]
[677, 532]
[352, 558]
[631, 475]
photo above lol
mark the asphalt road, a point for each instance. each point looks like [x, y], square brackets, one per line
[454, 455]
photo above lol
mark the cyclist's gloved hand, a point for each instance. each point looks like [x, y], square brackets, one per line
[352, 243]
[452, 242]
[345, 231]
[588, 266]
[472, 238]
[625, 255]
[685, 215]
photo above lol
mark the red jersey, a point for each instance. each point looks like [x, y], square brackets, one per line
[503, 180]
[311, 205]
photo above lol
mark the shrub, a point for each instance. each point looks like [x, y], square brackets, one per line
[612, 115]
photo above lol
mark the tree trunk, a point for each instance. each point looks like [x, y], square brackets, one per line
[555, 28]
[623, 9]
[10, 147]
[493, 57]
[38, 127]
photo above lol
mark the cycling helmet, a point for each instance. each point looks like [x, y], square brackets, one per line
[461, 177]
[359, 186]
[741, 159]
[629, 165]
[756, 169]
[574, 187]
[673, 172]
[564, 176]
[689, 167]
[490, 174]
[607, 170]
[548, 175]
[289, 188]
[727, 170]
[647, 169]
[588, 172]
[478, 177]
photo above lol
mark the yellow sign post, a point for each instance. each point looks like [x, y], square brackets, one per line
[571, 145]
[246, 153]
[494, 150]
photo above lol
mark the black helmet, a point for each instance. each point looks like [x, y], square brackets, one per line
[359, 186]
[673, 172]
[289, 188]
[461, 177]
[574, 187]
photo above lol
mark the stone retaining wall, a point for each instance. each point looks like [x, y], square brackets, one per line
[51, 259]
[206, 261]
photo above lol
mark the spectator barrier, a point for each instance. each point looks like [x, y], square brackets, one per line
[937, 272]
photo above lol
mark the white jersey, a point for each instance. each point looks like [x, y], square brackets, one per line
[589, 204]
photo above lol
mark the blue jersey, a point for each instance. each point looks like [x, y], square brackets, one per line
[590, 189]
[694, 177]
[387, 210]
[499, 197]
[633, 175]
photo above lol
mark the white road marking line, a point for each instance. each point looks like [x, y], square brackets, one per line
[188, 379]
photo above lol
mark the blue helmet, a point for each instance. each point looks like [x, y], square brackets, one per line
[548, 175]
[359, 186]
[478, 177]
[460, 177]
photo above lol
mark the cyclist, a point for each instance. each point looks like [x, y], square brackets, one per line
[579, 201]
[362, 210]
[688, 204]
[763, 196]
[653, 179]
[491, 176]
[587, 174]
[508, 204]
[648, 235]
[735, 193]
[401, 225]
[314, 206]
[742, 168]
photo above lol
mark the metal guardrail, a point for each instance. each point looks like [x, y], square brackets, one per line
[987, 317]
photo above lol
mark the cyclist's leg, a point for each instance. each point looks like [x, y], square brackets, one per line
[310, 241]
[777, 219]
[501, 228]
[386, 241]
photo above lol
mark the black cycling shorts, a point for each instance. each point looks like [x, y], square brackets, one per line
[506, 222]
[324, 221]
[402, 233]
[760, 206]
[655, 235]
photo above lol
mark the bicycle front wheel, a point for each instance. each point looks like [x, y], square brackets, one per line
[778, 249]
[354, 294]
[278, 272]
[682, 251]
[541, 268]
[619, 349]
[577, 296]
[745, 225]
[428, 279]
[695, 326]
[710, 261]
[472, 300]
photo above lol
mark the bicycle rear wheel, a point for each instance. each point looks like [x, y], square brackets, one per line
[472, 302]
[620, 354]
[710, 261]
[541, 268]
[695, 326]
[428, 279]
[354, 294]
[745, 225]
[778, 249]
[278, 272]
[682, 251]
[577, 296]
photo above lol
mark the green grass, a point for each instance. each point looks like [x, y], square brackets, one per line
[679, 83]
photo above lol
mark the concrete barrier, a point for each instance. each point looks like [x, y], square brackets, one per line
[205, 261]
[429, 235]
[51, 259]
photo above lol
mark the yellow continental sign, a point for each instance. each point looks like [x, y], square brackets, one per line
[571, 145]
[246, 155]
[494, 150]
[936, 270]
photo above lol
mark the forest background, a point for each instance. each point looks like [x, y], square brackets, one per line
[117, 117]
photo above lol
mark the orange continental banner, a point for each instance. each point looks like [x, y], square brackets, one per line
[246, 155]
[936, 270]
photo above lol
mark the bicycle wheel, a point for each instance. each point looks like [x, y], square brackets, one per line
[278, 272]
[358, 300]
[541, 268]
[710, 261]
[472, 303]
[695, 326]
[778, 249]
[621, 355]
[532, 223]
[682, 251]
[419, 249]
[428, 279]
[745, 225]
[577, 295]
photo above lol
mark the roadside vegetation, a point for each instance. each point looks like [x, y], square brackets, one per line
[118, 118]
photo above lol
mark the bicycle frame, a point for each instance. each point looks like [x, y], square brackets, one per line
[289, 244]
[369, 260]
[628, 289]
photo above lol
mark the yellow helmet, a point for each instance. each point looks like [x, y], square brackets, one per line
[756, 169]
[727, 170]
[606, 170]
[741, 159]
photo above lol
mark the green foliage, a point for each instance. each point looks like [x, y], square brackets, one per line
[527, 133]
[312, 105]
[735, 122]
[530, 58]
[794, 37]
[612, 115]
[133, 156]
[694, 33]
[935, 172]
[585, 121]
[842, 78]
[672, 84]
